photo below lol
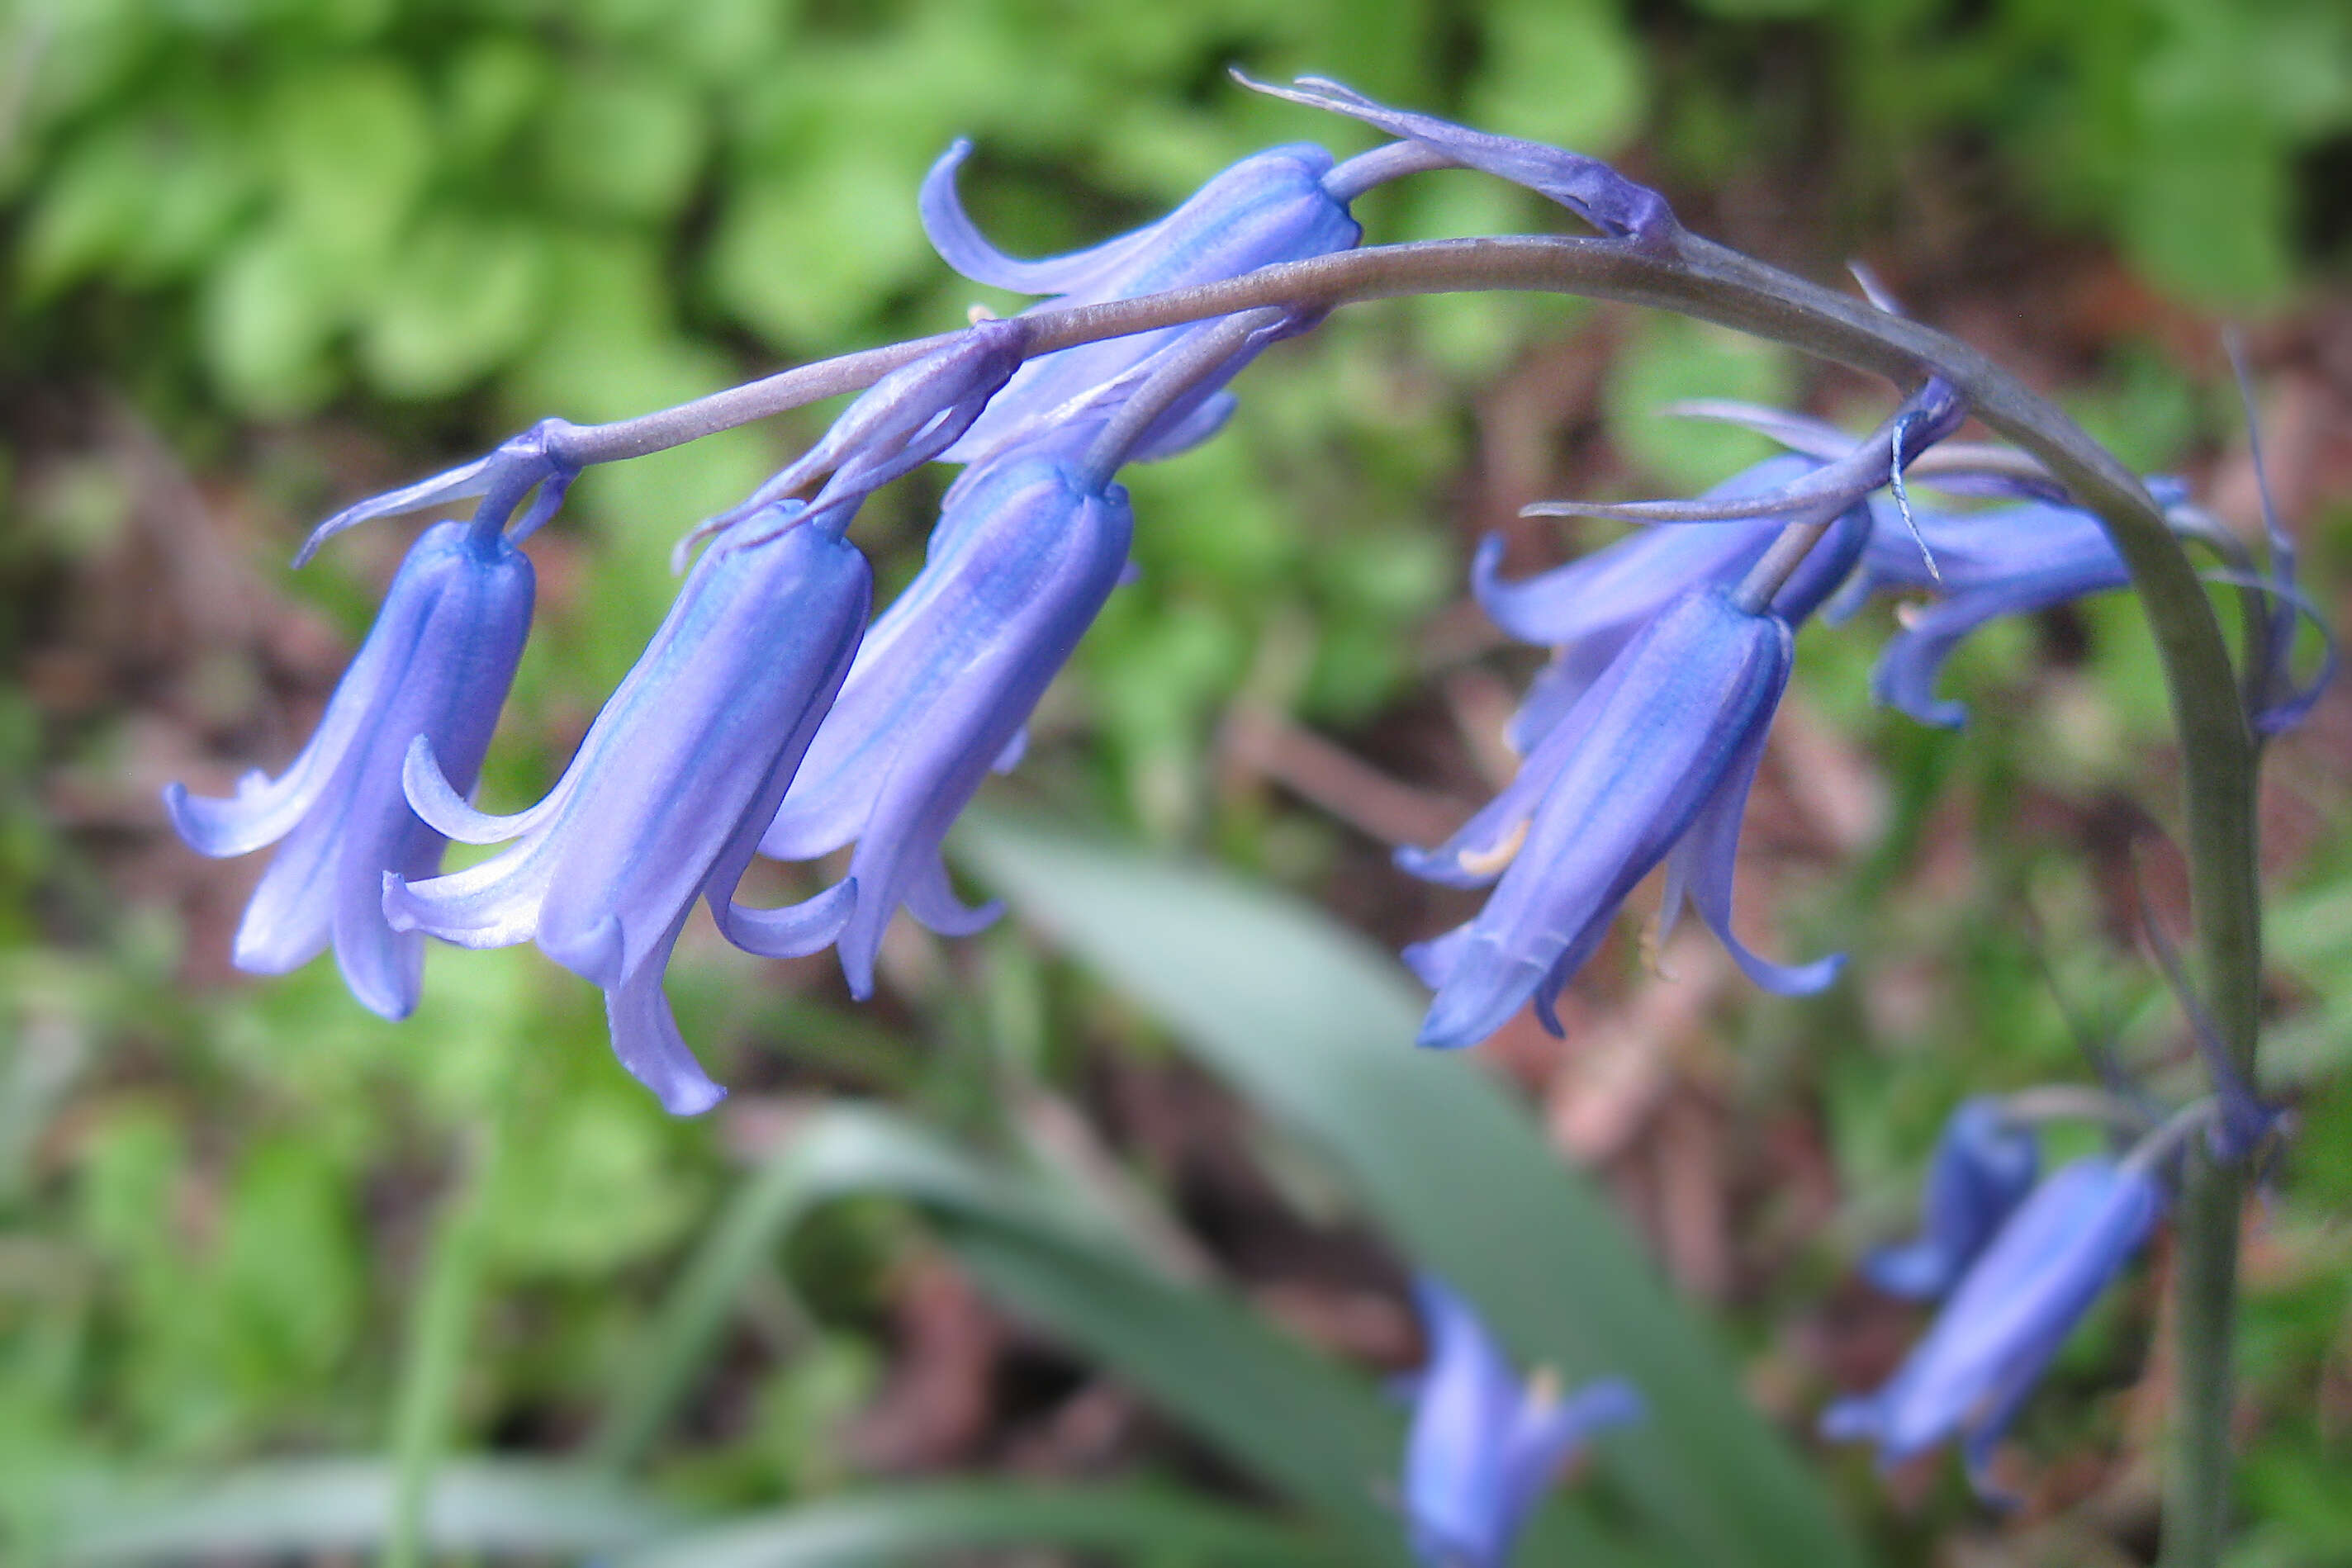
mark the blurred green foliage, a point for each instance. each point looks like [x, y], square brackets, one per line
[266, 223]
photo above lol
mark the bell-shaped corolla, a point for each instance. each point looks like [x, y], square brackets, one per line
[1985, 1163]
[1483, 1447]
[435, 666]
[1273, 207]
[1589, 610]
[1652, 763]
[1021, 562]
[666, 799]
[2001, 1325]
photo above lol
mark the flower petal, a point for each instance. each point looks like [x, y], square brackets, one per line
[792, 932]
[962, 247]
[646, 1040]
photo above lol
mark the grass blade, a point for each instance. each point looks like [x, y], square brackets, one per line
[1316, 1026]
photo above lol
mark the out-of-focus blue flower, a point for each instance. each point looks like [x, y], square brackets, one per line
[666, 797]
[1272, 206]
[1587, 610]
[1021, 562]
[2009, 562]
[1984, 1166]
[436, 665]
[1654, 761]
[2275, 700]
[1484, 1448]
[1585, 187]
[2000, 1328]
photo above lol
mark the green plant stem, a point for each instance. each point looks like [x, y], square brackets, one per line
[440, 1322]
[2204, 1301]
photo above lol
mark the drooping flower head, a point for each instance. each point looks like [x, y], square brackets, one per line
[665, 797]
[1019, 564]
[2000, 1328]
[1589, 610]
[1654, 761]
[436, 665]
[1273, 207]
[1985, 1163]
[1484, 1447]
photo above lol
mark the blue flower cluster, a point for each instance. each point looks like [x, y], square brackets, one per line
[772, 714]
[767, 717]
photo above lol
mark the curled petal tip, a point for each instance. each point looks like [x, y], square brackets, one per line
[400, 906]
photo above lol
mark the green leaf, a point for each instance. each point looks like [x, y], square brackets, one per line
[352, 146]
[1565, 74]
[459, 298]
[1308, 1429]
[269, 309]
[334, 1506]
[1316, 1028]
[623, 144]
[1672, 358]
[893, 1526]
[805, 256]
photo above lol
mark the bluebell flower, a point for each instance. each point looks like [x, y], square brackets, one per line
[666, 797]
[1019, 564]
[1484, 1450]
[1652, 763]
[436, 665]
[1589, 610]
[1273, 207]
[2004, 1321]
[2011, 561]
[1983, 1167]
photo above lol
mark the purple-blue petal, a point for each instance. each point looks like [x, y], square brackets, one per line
[2009, 1313]
[435, 667]
[1483, 1448]
[1702, 866]
[1020, 564]
[1546, 1431]
[1983, 1167]
[1905, 677]
[1677, 715]
[671, 787]
[1454, 1477]
[1269, 207]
